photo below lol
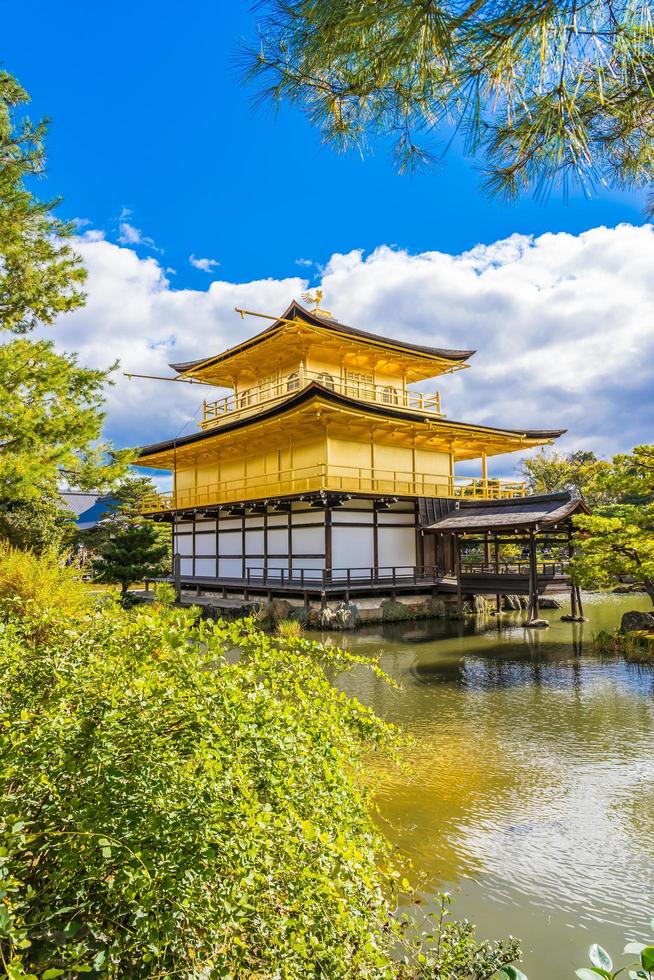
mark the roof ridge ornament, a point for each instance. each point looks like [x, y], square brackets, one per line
[315, 296]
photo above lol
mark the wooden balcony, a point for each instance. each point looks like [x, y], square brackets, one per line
[250, 401]
[346, 479]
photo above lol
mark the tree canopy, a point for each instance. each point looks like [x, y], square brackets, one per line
[40, 274]
[617, 541]
[542, 92]
[50, 407]
[547, 472]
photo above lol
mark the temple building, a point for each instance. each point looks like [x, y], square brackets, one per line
[324, 465]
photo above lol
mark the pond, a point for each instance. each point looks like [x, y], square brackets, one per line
[529, 791]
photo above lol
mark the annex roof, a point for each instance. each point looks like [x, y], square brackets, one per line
[296, 312]
[522, 513]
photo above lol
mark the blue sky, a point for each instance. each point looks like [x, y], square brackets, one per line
[157, 145]
[148, 114]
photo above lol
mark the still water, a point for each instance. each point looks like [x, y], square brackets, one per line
[529, 791]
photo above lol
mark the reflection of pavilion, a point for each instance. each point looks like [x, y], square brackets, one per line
[537, 522]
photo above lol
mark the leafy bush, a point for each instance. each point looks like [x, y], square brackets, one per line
[602, 964]
[182, 797]
[164, 593]
[42, 591]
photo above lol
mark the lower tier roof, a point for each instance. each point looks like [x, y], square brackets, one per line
[330, 406]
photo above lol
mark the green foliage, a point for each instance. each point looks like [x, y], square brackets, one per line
[50, 419]
[613, 548]
[449, 950]
[543, 93]
[183, 797]
[50, 407]
[172, 811]
[40, 525]
[602, 964]
[548, 472]
[42, 591]
[290, 629]
[130, 554]
[122, 512]
[637, 646]
[164, 594]
[40, 275]
[618, 542]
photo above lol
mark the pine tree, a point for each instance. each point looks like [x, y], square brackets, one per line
[542, 92]
[134, 552]
[50, 407]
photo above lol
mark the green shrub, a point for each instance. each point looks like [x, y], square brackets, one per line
[164, 809]
[42, 591]
[184, 798]
[165, 594]
[290, 629]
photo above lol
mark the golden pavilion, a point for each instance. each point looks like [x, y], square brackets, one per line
[324, 464]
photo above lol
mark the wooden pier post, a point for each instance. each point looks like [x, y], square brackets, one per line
[177, 576]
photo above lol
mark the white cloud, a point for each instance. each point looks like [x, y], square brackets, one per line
[205, 265]
[129, 234]
[307, 263]
[563, 325]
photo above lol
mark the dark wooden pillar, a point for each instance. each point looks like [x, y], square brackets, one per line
[328, 541]
[496, 559]
[457, 571]
[177, 575]
[534, 611]
[573, 589]
[580, 608]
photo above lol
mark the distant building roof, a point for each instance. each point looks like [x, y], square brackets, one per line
[88, 509]
[544, 510]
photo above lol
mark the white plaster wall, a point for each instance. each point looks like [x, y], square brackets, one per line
[353, 547]
[396, 546]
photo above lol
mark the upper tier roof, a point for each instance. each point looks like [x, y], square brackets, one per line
[214, 368]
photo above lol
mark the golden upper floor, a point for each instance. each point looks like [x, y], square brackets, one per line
[320, 440]
[309, 346]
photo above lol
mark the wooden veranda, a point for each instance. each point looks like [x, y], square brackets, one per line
[534, 523]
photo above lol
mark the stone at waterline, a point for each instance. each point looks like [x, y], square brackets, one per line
[347, 616]
[550, 602]
[539, 624]
[635, 620]
[567, 618]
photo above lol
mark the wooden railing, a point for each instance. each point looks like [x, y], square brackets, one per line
[348, 479]
[323, 578]
[251, 400]
[543, 568]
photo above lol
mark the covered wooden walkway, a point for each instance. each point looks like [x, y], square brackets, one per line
[537, 523]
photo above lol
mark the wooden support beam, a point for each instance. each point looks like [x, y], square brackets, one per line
[457, 572]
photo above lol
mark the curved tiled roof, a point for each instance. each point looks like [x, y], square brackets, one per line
[315, 389]
[520, 512]
[296, 311]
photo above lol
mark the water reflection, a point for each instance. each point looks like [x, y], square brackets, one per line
[530, 782]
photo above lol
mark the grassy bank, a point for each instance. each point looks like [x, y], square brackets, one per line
[637, 646]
